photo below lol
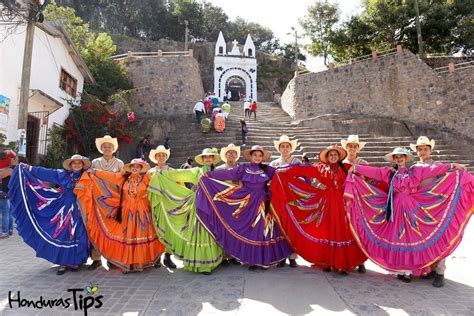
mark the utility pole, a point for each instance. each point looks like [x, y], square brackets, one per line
[186, 36]
[296, 50]
[418, 30]
[34, 15]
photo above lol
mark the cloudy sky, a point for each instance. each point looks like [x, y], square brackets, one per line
[280, 15]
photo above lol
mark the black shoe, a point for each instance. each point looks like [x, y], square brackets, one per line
[404, 278]
[253, 268]
[73, 269]
[234, 261]
[428, 276]
[225, 262]
[61, 270]
[168, 262]
[438, 280]
[293, 263]
[327, 270]
[361, 269]
[343, 272]
[206, 272]
[94, 265]
[281, 264]
[157, 265]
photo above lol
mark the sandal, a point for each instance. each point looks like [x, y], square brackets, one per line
[61, 270]
[404, 278]
[293, 263]
[94, 265]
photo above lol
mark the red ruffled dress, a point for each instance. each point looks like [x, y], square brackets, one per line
[314, 220]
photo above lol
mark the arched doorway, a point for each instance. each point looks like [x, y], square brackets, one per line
[236, 85]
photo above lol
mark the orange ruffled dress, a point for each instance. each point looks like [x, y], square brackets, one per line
[131, 244]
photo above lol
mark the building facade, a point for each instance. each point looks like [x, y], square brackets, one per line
[236, 70]
[58, 74]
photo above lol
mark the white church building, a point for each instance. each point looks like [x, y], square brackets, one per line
[235, 70]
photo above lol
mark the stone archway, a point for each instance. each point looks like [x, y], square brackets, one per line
[240, 73]
[236, 85]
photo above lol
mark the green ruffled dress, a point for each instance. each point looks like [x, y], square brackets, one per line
[176, 223]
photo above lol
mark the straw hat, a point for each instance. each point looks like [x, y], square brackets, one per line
[208, 152]
[230, 147]
[137, 161]
[352, 139]
[85, 161]
[399, 151]
[323, 154]
[248, 152]
[285, 139]
[423, 140]
[159, 149]
[106, 139]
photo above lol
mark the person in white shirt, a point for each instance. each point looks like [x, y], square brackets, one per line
[247, 109]
[199, 110]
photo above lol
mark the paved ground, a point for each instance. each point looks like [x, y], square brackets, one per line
[236, 291]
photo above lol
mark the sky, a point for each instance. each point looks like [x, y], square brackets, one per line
[280, 16]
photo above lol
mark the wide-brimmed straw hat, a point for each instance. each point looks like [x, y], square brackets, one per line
[159, 149]
[352, 139]
[230, 147]
[106, 139]
[137, 161]
[423, 140]
[248, 153]
[399, 151]
[323, 154]
[285, 139]
[86, 162]
[208, 152]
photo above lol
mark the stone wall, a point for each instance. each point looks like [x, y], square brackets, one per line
[397, 86]
[164, 85]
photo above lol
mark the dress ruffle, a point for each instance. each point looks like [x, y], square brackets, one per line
[238, 219]
[47, 218]
[314, 220]
[131, 244]
[427, 225]
[176, 223]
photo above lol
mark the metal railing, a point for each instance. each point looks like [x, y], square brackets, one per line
[158, 53]
[451, 68]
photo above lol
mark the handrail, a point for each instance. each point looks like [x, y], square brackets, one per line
[151, 54]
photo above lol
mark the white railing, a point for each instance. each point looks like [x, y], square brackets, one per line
[452, 67]
[158, 53]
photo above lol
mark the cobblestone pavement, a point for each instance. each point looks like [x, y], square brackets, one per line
[234, 290]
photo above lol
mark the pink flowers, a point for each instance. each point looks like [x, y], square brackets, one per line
[131, 116]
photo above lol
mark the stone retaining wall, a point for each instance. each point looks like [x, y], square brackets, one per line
[165, 85]
[398, 86]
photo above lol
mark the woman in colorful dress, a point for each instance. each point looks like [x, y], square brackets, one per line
[159, 156]
[313, 219]
[238, 215]
[119, 220]
[286, 147]
[353, 146]
[107, 146]
[48, 219]
[414, 224]
[175, 218]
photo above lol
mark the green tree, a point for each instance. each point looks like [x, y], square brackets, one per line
[319, 24]
[239, 28]
[96, 49]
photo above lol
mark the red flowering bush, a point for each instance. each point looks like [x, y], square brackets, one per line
[94, 119]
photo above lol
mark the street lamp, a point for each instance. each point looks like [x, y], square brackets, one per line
[186, 36]
[296, 50]
[418, 30]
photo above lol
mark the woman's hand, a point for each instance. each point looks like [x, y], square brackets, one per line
[458, 166]
[351, 169]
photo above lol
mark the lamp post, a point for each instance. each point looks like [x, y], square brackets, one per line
[186, 36]
[296, 50]
[418, 30]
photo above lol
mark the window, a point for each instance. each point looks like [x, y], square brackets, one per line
[68, 83]
[221, 50]
[250, 52]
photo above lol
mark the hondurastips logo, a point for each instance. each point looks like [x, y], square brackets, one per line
[79, 299]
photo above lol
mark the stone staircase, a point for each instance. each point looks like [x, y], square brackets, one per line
[272, 122]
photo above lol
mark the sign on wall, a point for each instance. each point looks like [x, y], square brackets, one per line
[4, 108]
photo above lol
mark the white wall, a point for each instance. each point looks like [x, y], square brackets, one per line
[49, 55]
[230, 62]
